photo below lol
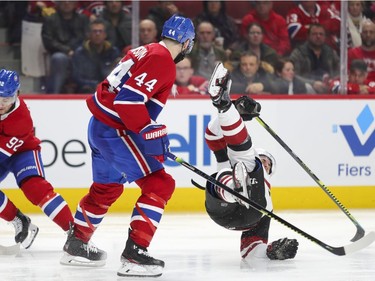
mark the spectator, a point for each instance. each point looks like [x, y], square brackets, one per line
[366, 51]
[286, 81]
[94, 8]
[250, 78]
[119, 24]
[62, 33]
[147, 34]
[13, 13]
[38, 10]
[358, 83]
[186, 82]
[161, 13]
[225, 27]
[94, 60]
[254, 43]
[315, 62]
[205, 54]
[355, 23]
[306, 13]
[274, 26]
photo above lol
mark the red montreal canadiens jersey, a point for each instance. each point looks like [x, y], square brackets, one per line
[367, 56]
[136, 90]
[17, 131]
[298, 21]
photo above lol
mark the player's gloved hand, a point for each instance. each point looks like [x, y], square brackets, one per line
[247, 107]
[282, 249]
[157, 141]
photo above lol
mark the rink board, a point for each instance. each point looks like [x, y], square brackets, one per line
[334, 136]
[192, 199]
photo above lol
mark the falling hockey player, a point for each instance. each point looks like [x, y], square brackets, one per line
[245, 170]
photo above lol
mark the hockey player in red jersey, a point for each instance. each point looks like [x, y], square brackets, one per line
[20, 155]
[243, 168]
[129, 146]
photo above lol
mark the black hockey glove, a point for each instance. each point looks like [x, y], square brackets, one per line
[247, 107]
[282, 249]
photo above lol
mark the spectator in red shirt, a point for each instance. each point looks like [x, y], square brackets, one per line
[274, 25]
[306, 13]
[186, 82]
[358, 84]
[365, 52]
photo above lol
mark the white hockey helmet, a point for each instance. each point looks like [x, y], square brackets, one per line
[263, 152]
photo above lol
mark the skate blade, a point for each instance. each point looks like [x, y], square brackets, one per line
[33, 232]
[219, 73]
[130, 269]
[80, 261]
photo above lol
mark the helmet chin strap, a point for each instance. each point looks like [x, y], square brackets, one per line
[181, 55]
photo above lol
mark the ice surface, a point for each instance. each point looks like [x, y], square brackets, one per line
[195, 248]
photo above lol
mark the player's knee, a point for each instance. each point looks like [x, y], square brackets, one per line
[37, 190]
[159, 183]
[106, 194]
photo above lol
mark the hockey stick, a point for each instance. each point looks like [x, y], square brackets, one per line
[10, 250]
[360, 231]
[340, 251]
[197, 184]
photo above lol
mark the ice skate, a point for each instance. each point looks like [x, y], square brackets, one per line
[240, 180]
[137, 262]
[79, 253]
[282, 249]
[25, 231]
[219, 88]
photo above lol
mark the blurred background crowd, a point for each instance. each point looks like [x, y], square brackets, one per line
[270, 47]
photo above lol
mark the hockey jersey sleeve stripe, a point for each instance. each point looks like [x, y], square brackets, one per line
[159, 103]
[154, 108]
[132, 90]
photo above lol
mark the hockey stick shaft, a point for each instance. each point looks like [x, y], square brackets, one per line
[340, 251]
[360, 231]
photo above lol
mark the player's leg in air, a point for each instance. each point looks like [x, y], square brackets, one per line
[241, 169]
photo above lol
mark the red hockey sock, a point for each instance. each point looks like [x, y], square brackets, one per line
[8, 210]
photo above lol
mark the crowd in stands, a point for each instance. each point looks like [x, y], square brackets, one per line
[294, 52]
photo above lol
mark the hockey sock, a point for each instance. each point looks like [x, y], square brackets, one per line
[40, 192]
[8, 210]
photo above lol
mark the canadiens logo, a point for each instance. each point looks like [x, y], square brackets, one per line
[139, 52]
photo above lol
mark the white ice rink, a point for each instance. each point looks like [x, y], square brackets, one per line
[195, 248]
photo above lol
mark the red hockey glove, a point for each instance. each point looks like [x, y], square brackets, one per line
[157, 142]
